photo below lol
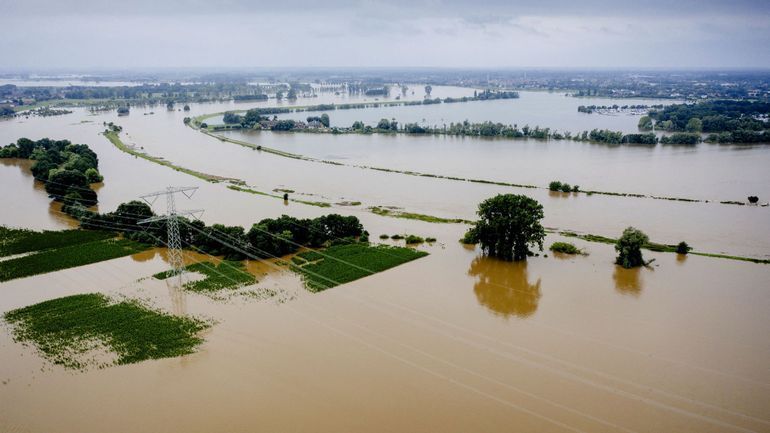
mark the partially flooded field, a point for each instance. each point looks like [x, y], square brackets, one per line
[453, 341]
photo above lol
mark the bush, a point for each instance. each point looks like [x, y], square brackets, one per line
[683, 248]
[414, 239]
[430, 240]
[753, 199]
[565, 248]
[384, 236]
[629, 248]
[555, 185]
[565, 187]
[397, 237]
[575, 188]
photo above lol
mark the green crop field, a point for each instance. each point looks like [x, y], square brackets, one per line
[226, 275]
[344, 263]
[67, 257]
[19, 241]
[67, 331]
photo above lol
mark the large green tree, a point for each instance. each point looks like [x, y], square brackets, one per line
[629, 248]
[508, 226]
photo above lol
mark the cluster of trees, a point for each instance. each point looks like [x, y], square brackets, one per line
[688, 138]
[257, 97]
[322, 119]
[67, 169]
[588, 109]
[231, 118]
[728, 121]
[563, 186]
[739, 136]
[494, 94]
[269, 237]
[496, 129]
[387, 125]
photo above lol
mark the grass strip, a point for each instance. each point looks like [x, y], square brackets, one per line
[267, 194]
[68, 257]
[354, 261]
[66, 329]
[17, 241]
[416, 216]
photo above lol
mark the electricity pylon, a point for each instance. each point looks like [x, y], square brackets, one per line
[172, 223]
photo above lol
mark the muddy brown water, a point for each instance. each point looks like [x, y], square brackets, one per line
[450, 342]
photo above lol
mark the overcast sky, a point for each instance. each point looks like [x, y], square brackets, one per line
[443, 33]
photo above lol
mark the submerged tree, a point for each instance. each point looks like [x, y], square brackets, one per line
[629, 248]
[509, 225]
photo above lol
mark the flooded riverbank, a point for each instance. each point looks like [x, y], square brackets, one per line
[459, 342]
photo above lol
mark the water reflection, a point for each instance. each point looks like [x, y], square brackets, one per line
[504, 287]
[628, 281]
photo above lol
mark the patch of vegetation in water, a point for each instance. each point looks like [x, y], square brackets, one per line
[18, 241]
[65, 330]
[415, 216]
[341, 264]
[226, 275]
[565, 248]
[68, 257]
[414, 239]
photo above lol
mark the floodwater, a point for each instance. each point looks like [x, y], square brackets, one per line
[561, 345]
[534, 108]
[451, 342]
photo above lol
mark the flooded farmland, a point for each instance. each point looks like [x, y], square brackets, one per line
[451, 342]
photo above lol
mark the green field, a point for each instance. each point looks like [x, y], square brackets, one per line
[341, 264]
[67, 257]
[67, 331]
[19, 241]
[226, 275]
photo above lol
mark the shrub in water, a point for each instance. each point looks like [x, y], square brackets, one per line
[414, 239]
[565, 247]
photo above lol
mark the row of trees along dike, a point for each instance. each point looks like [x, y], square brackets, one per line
[726, 121]
[509, 228]
[266, 238]
[67, 169]
[258, 118]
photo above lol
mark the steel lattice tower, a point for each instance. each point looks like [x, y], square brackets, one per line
[172, 224]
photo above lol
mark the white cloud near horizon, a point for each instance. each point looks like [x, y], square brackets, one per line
[448, 33]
